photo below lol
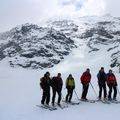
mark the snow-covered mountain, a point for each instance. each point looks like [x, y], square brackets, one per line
[32, 46]
[95, 45]
[37, 46]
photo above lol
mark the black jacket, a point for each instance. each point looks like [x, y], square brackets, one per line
[101, 78]
[57, 83]
[45, 83]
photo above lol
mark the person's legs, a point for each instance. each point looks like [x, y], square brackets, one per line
[68, 93]
[83, 92]
[115, 92]
[86, 91]
[59, 96]
[110, 91]
[105, 91]
[48, 97]
[71, 93]
[43, 97]
[100, 91]
[54, 95]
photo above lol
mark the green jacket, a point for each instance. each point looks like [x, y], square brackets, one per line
[70, 83]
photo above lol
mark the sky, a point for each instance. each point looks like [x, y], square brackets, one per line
[16, 12]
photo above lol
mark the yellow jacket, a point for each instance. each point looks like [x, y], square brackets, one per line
[70, 82]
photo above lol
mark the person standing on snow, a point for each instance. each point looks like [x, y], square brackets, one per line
[57, 84]
[85, 80]
[102, 82]
[45, 85]
[70, 85]
[112, 84]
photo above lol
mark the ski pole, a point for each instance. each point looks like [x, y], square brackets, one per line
[76, 95]
[62, 97]
[93, 89]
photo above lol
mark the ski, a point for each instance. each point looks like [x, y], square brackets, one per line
[72, 103]
[62, 106]
[90, 101]
[104, 101]
[47, 107]
[114, 101]
[42, 106]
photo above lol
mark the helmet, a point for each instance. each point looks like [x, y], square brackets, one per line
[47, 73]
[70, 75]
[110, 71]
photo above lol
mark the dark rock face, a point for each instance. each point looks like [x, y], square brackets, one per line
[99, 31]
[31, 46]
[115, 62]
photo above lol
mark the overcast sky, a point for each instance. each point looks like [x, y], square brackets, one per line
[15, 12]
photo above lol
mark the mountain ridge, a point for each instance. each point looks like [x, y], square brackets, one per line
[34, 46]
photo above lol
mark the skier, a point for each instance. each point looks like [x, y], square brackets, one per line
[112, 84]
[45, 85]
[85, 80]
[70, 85]
[102, 82]
[56, 84]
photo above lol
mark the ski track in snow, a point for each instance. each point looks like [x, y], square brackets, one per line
[20, 91]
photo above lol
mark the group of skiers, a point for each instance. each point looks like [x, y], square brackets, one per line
[111, 82]
[57, 83]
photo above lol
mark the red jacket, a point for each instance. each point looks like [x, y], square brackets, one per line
[111, 79]
[85, 78]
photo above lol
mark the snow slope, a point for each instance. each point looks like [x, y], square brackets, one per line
[20, 91]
